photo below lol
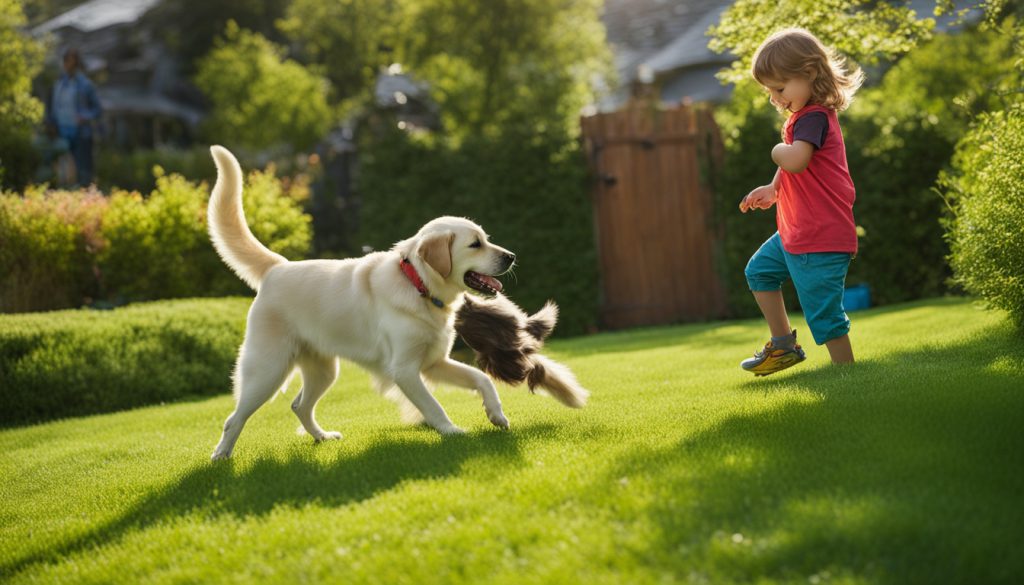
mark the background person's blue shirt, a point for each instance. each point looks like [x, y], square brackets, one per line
[73, 100]
[65, 110]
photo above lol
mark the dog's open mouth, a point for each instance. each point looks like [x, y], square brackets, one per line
[482, 283]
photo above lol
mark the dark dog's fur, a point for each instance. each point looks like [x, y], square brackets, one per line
[506, 342]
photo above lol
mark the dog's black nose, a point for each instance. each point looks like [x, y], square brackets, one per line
[510, 259]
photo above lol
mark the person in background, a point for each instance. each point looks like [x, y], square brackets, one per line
[71, 109]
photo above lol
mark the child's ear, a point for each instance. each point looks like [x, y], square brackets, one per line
[812, 74]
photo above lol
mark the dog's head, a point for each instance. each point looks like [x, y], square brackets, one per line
[454, 255]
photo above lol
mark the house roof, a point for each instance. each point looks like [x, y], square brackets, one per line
[97, 14]
[691, 47]
[670, 38]
[663, 34]
[667, 35]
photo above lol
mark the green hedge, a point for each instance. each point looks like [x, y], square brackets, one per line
[899, 137]
[987, 191]
[529, 193]
[72, 363]
[133, 170]
[66, 249]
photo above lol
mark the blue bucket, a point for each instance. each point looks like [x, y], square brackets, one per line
[857, 297]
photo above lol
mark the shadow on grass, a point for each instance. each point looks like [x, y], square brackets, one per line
[299, 479]
[902, 470]
[655, 338]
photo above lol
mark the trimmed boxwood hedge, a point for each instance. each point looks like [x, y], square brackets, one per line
[79, 362]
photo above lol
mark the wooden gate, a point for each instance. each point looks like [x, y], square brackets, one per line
[653, 213]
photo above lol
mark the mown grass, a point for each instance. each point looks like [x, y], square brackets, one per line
[905, 468]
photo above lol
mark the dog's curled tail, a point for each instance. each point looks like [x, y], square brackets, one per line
[557, 380]
[231, 236]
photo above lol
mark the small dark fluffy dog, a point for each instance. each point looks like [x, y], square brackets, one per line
[506, 342]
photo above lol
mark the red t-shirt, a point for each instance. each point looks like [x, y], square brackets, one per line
[815, 207]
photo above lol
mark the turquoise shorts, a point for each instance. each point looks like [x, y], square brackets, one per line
[819, 278]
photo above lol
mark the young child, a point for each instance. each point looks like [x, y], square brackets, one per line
[814, 195]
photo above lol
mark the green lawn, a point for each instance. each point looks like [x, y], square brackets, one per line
[905, 468]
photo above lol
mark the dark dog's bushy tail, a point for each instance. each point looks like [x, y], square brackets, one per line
[540, 324]
[557, 380]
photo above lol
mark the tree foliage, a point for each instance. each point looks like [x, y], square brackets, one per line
[260, 98]
[865, 31]
[490, 65]
[527, 63]
[349, 41]
[197, 23]
[20, 60]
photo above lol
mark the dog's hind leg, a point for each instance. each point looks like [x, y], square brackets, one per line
[263, 366]
[463, 376]
[318, 373]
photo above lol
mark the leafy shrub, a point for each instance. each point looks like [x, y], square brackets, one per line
[987, 190]
[899, 136]
[66, 249]
[48, 243]
[159, 247]
[71, 363]
[531, 197]
[133, 170]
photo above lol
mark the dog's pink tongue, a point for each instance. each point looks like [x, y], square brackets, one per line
[491, 282]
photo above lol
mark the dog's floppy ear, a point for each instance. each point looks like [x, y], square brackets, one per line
[436, 251]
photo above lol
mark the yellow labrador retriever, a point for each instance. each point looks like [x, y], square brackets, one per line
[390, 312]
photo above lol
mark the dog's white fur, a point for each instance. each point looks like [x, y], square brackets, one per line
[308, 313]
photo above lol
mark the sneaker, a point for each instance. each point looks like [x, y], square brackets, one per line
[772, 359]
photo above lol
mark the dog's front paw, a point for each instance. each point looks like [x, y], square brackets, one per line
[327, 436]
[498, 419]
[220, 454]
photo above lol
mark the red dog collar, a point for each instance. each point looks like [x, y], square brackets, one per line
[410, 272]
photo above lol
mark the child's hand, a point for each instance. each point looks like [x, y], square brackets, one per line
[761, 198]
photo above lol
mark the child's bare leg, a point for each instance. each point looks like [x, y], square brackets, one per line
[774, 310]
[840, 350]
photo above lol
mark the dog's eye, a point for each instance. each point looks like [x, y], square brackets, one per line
[475, 244]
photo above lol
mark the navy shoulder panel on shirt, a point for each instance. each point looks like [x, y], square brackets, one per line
[811, 127]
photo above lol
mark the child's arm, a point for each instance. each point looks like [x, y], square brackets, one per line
[793, 157]
[764, 196]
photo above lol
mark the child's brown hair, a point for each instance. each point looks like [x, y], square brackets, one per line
[795, 52]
